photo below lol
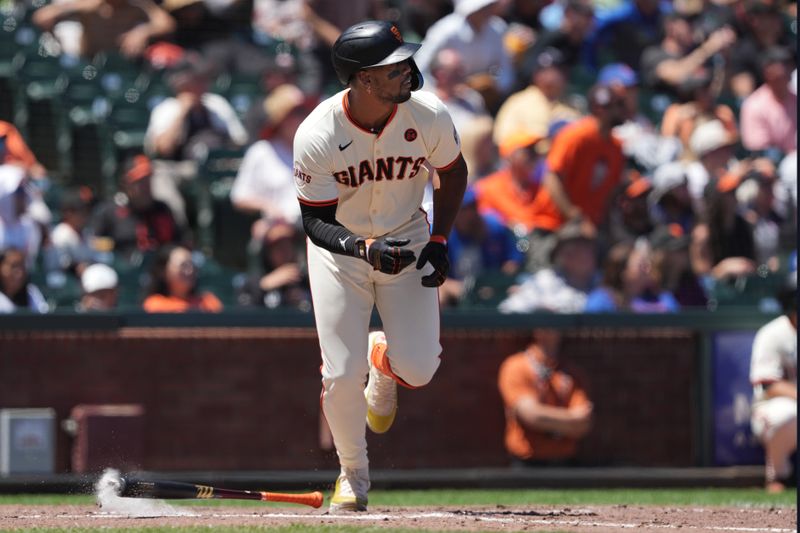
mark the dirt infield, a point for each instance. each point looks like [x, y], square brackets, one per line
[593, 519]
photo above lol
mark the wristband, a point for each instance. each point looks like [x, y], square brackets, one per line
[439, 239]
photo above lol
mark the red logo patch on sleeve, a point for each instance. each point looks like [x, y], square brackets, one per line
[410, 134]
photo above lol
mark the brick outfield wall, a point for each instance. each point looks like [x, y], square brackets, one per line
[248, 399]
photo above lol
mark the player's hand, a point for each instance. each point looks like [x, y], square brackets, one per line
[434, 253]
[389, 256]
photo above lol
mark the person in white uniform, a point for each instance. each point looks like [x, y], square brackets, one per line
[773, 373]
[360, 161]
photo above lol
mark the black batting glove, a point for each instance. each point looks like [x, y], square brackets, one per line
[388, 255]
[435, 253]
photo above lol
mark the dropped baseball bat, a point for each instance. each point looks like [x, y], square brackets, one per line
[173, 490]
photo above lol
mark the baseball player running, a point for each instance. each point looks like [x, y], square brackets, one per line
[359, 168]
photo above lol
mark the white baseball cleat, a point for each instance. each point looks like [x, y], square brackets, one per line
[381, 391]
[350, 493]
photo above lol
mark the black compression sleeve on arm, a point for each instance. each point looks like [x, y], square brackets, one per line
[323, 229]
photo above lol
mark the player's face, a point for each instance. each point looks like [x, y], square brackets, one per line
[391, 83]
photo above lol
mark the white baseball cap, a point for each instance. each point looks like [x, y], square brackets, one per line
[468, 7]
[709, 136]
[665, 178]
[98, 277]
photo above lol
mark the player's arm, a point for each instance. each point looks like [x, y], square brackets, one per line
[447, 198]
[554, 186]
[569, 421]
[322, 228]
[48, 16]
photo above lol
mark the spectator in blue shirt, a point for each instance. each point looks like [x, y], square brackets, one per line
[631, 283]
[622, 33]
[478, 244]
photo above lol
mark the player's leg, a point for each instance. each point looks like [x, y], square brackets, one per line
[779, 438]
[410, 315]
[343, 301]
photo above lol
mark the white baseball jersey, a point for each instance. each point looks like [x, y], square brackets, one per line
[774, 355]
[378, 180]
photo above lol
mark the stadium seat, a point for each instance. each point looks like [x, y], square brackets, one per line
[745, 291]
[220, 280]
[487, 290]
[118, 74]
[38, 112]
[223, 231]
[243, 92]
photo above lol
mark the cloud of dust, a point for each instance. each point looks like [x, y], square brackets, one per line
[107, 494]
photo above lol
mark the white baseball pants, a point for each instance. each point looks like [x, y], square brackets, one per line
[344, 290]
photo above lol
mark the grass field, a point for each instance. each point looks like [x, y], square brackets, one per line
[409, 498]
[754, 498]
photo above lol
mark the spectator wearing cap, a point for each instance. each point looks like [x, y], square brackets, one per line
[713, 146]
[17, 293]
[478, 244]
[667, 65]
[763, 28]
[672, 260]
[623, 32]
[133, 221]
[563, 286]
[476, 31]
[696, 104]
[182, 129]
[18, 229]
[14, 152]
[584, 166]
[540, 104]
[631, 282]
[769, 115]
[272, 193]
[177, 121]
[722, 242]
[629, 217]
[100, 285]
[280, 280]
[70, 247]
[449, 84]
[757, 201]
[509, 193]
[669, 199]
[641, 143]
[569, 39]
[127, 26]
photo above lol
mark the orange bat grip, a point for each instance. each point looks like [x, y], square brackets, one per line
[314, 499]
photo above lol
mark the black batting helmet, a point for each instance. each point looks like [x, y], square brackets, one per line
[371, 44]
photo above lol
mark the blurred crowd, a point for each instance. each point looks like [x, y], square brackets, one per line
[624, 155]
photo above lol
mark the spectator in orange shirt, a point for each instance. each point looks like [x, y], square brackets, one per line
[14, 151]
[584, 166]
[174, 285]
[548, 410]
[509, 193]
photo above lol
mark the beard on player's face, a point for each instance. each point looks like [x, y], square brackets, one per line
[390, 83]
